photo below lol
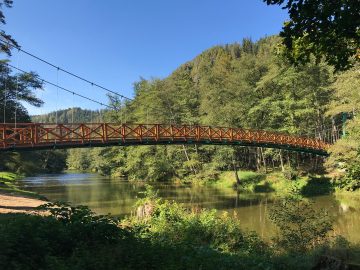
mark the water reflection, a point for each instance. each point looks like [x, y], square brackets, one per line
[117, 197]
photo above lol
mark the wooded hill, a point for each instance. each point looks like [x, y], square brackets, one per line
[71, 115]
[240, 85]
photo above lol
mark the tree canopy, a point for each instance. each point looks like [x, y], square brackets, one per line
[9, 41]
[323, 28]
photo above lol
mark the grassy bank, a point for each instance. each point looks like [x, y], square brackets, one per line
[275, 182]
[8, 185]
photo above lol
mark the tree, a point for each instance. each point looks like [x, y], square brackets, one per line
[301, 227]
[9, 41]
[324, 28]
[13, 90]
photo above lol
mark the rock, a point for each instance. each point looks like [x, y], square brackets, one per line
[144, 211]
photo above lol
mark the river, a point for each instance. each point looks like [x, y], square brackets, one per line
[117, 197]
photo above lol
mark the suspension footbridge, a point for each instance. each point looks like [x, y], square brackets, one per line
[35, 136]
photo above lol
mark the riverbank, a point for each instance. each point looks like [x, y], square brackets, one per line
[18, 204]
[9, 186]
[13, 199]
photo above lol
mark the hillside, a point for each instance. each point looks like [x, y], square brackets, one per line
[71, 115]
[239, 85]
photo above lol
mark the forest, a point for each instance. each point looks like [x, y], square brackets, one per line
[246, 85]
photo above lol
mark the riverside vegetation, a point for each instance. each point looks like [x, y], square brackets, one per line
[169, 236]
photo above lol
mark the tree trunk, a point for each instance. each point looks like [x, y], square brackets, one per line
[263, 157]
[236, 173]
[258, 159]
[188, 159]
[282, 161]
[288, 158]
[249, 158]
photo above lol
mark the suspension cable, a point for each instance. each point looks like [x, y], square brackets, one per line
[68, 72]
[64, 70]
[42, 117]
[91, 111]
[121, 111]
[64, 89]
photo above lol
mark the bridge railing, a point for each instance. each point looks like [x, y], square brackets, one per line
[27, 135]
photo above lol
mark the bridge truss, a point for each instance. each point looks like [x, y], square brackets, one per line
[35, 136]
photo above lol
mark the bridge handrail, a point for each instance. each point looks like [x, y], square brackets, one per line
[20, 135]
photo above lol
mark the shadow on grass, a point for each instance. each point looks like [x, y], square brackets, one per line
[317, 186]
[264, 188]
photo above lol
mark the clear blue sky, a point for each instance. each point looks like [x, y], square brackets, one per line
[115, 42]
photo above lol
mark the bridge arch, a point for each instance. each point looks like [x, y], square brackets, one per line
[34, 136]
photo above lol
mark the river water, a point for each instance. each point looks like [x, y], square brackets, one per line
[117, 197]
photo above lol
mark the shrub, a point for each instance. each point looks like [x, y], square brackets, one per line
[73, 238]
[301, 227]
[290, 173]
[174, 225]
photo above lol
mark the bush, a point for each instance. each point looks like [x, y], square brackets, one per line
[198, 230]
[73, 238]
[290, 173]
[301, 227]
[350, 181]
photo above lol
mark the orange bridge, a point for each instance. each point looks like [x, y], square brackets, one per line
[35, 136]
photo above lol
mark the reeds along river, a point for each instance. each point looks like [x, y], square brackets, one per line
[117, 197]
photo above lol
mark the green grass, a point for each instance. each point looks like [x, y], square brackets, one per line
[274, 182]
[8, 176]
[8, 186]
[227, 179]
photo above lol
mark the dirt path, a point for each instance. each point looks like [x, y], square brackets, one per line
[17, 204]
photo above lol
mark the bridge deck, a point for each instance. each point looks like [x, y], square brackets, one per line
[31, 136]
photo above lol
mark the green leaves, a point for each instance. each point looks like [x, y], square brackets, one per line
[321, 28]
[15, 89]
[301, 228]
